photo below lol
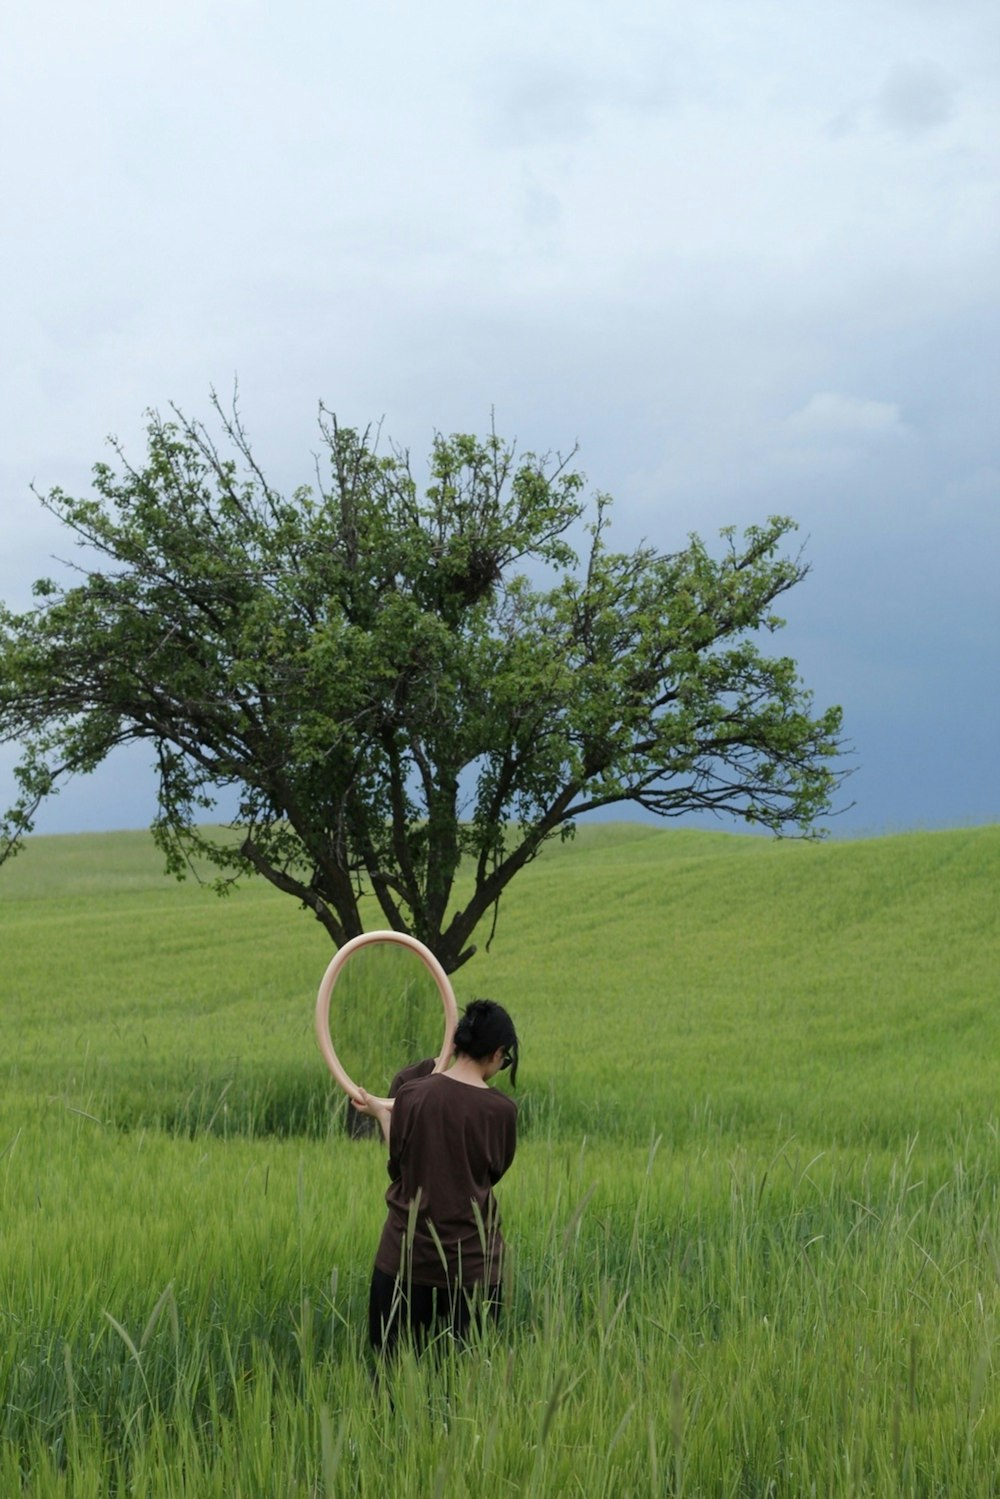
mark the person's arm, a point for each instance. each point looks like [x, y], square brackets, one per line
[375, 1108]
[409, 1073]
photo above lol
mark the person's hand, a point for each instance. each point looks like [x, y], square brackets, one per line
[375, 1108]
[380, 1110]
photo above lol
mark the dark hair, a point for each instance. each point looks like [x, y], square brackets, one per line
[483, 1028]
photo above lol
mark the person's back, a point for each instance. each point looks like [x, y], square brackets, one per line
[450, 1144]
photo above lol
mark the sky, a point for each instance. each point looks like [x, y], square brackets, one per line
[747, 257]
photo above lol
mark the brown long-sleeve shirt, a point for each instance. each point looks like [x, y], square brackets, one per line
[449, 1144]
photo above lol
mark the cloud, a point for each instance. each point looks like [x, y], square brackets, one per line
[542, 207]
[829, 414]
[541, 100]
[544, 102]
[916, 96]
[835, 432]
[628, 226]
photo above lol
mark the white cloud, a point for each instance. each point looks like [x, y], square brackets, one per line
[829, 414]
[835, 432]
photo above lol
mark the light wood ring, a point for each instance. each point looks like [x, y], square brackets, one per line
[342, 956]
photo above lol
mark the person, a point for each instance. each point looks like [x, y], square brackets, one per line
[451, 1137]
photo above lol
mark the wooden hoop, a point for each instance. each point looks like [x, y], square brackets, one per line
[430, 962]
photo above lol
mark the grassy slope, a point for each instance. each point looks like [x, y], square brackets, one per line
[836, 987]
[816, 1314]
[663, 980]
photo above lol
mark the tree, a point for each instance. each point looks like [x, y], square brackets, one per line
[401, 683]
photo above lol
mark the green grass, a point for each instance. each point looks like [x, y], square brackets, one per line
[753, 1218]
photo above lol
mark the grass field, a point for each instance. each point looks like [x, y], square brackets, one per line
[753, 1218]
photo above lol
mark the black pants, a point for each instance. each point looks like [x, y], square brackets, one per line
[396, 1308]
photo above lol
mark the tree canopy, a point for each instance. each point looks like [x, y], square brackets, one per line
[401, 680]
